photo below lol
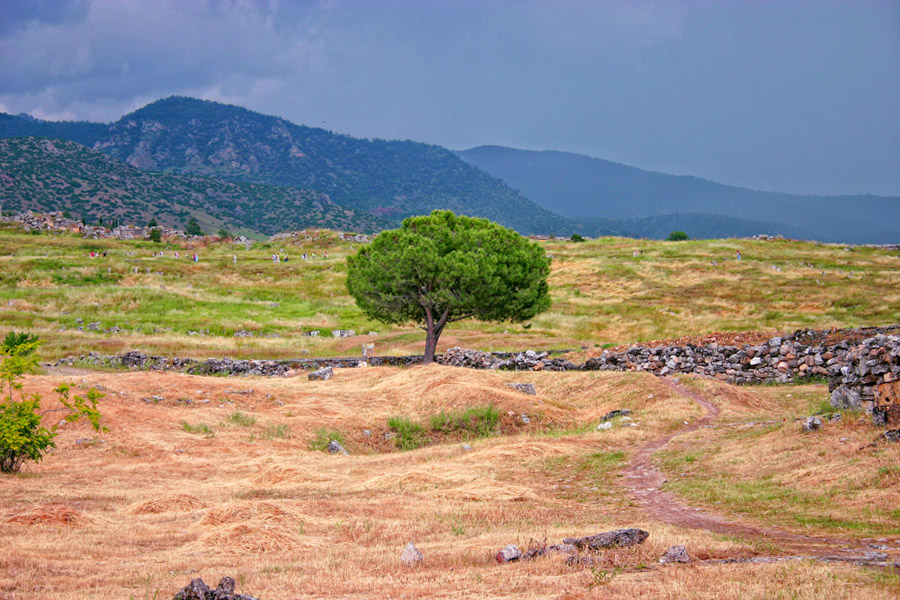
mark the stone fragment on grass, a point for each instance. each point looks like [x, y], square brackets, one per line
[411, 555]
[335, 447]
[811, 424]
[198, 590]
[618, 538]
[619, 412]
[605, 426]
[321, 374]
[525, 388]
[844, 397]
[510, 553]
[891, 435]
[675, 554]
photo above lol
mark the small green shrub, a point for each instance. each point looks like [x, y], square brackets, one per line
[677, 236]
[276, 432]
[323, 435]
[199, 428]
[576, 238]
[409, 436]
[22, 437]
[241, 420]
[155, 235]
[479, 421]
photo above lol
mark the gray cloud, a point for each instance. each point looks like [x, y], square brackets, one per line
[795, 96]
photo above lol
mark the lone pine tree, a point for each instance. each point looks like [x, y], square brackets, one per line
[442, 268]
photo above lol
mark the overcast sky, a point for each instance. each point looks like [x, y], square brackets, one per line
[779, 95]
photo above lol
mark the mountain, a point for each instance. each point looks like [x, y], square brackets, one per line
[45, 175]
[390, 179]
[593, 190]
[83, 132]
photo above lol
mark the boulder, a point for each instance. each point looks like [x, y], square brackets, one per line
[811, 424]
[618, 538]
[334, 447]
[845, 398]
[198, 590]
[510, 553]
[411, 555]
[321, 374]
[619, 412]
[675, 554]
[525, 388]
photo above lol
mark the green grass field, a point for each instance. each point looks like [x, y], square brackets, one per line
[601, 294]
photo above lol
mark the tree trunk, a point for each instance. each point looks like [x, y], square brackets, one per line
[433, 334]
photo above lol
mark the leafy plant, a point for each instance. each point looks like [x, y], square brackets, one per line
[242, 420]
[479, 421]
[193, 227]
[201, 428]
[22, 437]
[410, 435]
[576, 238]
[677, 236]
[155, 235]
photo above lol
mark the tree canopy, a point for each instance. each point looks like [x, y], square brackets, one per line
[442, 268]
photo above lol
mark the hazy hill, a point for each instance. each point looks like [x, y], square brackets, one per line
[83, 132]
[592, 189]
[393, 179]
[42, 174]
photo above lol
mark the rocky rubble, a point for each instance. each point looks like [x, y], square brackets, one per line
[198, 590]
[55, 222]
[862, 373]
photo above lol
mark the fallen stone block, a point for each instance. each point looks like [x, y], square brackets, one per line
[335, 447]
[411, 555]
[525, 388]
[811, 424]
[198, 590]
[508, 554]
[321, 374]
[675, 554]
[618, 538]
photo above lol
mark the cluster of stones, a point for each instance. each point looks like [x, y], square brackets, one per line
[523, 361]
[869, 378]
[198, 590]
[861, 374]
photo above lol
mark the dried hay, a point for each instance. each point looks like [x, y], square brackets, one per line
[486, 491]
[277, 474]
[175, 503]
[254, 537]
[57, 515]
[409, 479]
[239, 512]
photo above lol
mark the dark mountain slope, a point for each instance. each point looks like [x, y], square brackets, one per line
[590, 188]
[83, 132]
[44, 175]
[393, 179]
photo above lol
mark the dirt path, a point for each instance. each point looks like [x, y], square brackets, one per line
[644, 481]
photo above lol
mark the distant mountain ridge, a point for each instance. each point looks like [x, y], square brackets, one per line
[389, 179]
[596, 190]
[46, 175]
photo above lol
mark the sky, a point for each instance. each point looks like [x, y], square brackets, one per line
[787, 95]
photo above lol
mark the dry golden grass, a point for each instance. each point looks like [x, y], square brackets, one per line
[155, 506]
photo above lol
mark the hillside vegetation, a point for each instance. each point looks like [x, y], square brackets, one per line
[46, 175]
[601, 295]
[390, 179]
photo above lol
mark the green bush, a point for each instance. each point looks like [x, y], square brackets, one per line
[479, 421]
[323, 436]
[155, 235]
[677, 236]
[22, 437]
[241, 420]
[576, 238]
[409, 436]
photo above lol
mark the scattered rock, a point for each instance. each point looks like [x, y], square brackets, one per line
[321, 374]
[675, 554]
[335, 447]
[619, 412]
[811, 424]
[525, 388]
[510, 553]
[605, 426]
[525, 419]
[618, 538]
[845, 398]
[411, 555]
[891, 435]
[466, 448]
[198, 590]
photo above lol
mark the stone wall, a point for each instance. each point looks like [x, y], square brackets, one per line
[862, 373]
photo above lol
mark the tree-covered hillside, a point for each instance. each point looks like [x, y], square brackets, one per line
[44, 175]
[392, 179]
